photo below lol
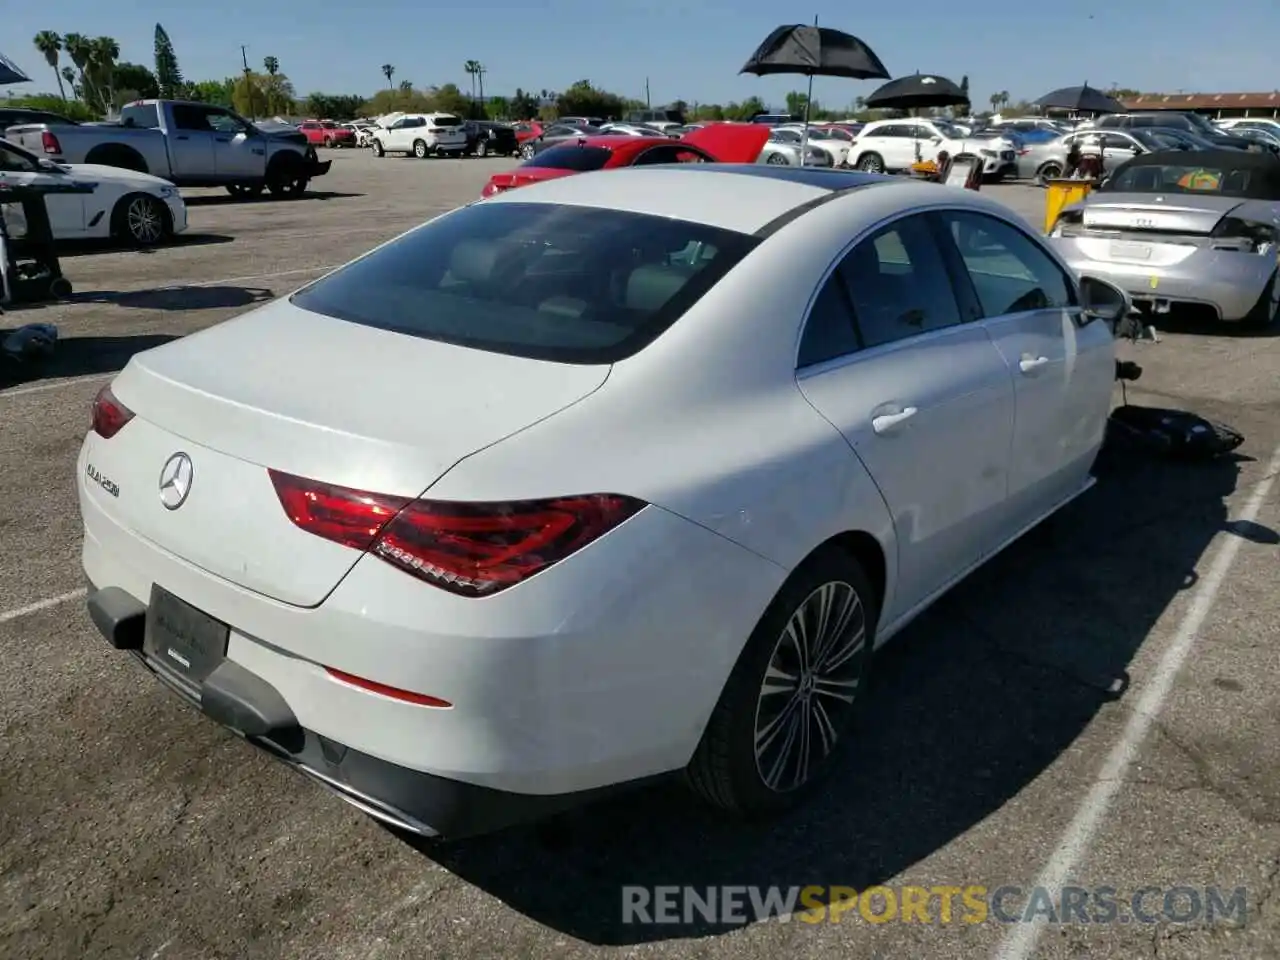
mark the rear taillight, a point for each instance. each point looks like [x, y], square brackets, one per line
[471, 549]
[49, 143]
[109, 414]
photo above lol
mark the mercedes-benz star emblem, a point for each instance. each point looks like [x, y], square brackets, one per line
[175, 481]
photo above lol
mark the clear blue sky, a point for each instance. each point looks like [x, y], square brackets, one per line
[689, 51]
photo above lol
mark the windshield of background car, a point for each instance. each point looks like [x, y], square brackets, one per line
[950, 132]
[1188, 177]
[569, 284]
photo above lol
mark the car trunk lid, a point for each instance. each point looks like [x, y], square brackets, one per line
[313, 396]
[731, 142]
[1156, 214]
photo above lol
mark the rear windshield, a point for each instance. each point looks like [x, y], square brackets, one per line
[1187, 177]
[563, 283]
[141, 115]
[571, 157]
[445, 120]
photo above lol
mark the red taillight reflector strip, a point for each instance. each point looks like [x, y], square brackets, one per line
[471, 549]
[349, 517]
[109, 414]
[382, 690]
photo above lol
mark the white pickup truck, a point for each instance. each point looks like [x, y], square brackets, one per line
[188, 144]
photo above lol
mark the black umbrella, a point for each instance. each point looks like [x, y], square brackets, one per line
[9, 72]
[815, 52]
[1083, 99]
[917, 92]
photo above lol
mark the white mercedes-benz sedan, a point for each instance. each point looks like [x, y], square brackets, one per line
[614, 476]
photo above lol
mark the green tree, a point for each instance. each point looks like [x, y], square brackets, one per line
[796, 102]
[499, 108]
[331, 107]
[55, 103]
[248, 97]
[965, 107]
[524, 106]
[449, 99]
[133, 81]
[271, 65]
[388, 71]
[168, 75]
[50, 46]
[79, 50]
[103, 53]
[218, 93]
[584, 100]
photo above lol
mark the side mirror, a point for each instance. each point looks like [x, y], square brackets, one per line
[935, 140]
[1103, 300]
[48, 166]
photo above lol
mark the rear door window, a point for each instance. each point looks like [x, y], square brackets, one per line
[563, 283]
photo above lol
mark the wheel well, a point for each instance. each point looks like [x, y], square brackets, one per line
[866, 549]
[117, 155]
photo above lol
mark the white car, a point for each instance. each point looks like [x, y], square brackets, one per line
[422, 135]
[895, 145]
[135, 207]
[611, 477]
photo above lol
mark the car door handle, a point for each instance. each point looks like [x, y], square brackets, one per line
[1032, 364]
[888, 421]
[259, 151]
[223, 139]
[183, 137]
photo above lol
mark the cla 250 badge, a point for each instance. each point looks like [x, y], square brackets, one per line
[106, 483]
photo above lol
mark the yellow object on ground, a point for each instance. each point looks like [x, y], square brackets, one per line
[1059, 194]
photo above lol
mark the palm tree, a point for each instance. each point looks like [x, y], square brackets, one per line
[1004, 99]
[80, 50]
[406, 86]
[994, 100]
[103, 54]
[69, 75]
[50, 44]
[473, 68]
[271, 65]
[388, 71]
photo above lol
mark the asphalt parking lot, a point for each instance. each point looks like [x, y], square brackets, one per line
[1100, 705]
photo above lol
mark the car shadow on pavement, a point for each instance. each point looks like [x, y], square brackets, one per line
[84, 248]
[79, 357]
[968, 706]
[214, 200]
[179, 298]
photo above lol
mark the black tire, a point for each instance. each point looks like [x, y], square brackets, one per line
[328, 143]
[1049, 171]
[482, 149]
[141, 220]
[526, 151]
[376, 146]
[246, 191]
[285, 179]
[1266, 311]
[777, 160]
[727, 770]
[113, 155]
[871, 163]
[420, 149]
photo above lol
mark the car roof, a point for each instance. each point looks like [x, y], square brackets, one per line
[743, 197]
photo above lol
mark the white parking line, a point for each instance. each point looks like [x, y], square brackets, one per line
[39, 605]
[1020, 944]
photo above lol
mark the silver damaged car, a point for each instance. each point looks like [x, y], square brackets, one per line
[1177, 228]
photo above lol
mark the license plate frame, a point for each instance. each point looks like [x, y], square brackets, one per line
[1130, 250]
[183, 639]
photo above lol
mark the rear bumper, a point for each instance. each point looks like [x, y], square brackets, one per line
[421, 803]
[1228, 283]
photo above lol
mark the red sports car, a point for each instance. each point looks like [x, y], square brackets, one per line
[716, 143]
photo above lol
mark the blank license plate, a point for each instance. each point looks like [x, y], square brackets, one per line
[185, 640]
[1130, 251]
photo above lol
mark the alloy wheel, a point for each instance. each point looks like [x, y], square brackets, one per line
[145, 220]
[810, 686]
